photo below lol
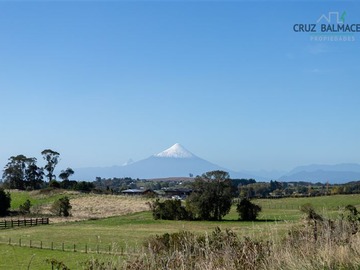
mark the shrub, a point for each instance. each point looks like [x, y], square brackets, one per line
[5, 200]
[61, 207]
[25, 207]
[186, 250]
[247, 210]
[169, 210]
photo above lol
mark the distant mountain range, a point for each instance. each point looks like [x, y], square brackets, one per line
[339, 173]
[177, 161]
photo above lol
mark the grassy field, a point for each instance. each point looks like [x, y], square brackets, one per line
[125, 233]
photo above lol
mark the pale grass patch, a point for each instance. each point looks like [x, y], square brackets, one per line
[95, 206]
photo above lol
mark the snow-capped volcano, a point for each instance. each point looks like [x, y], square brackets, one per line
[175, 161]
[176, 151]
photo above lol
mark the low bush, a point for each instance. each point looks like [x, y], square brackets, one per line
[247, 210]
[61, 207]
[169, 210]
[25, 207]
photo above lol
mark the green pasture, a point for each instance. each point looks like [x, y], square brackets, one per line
[36, 197]
[126, 234]
[21, 258]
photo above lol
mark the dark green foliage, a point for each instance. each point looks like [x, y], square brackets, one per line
[65, 174]
[169, 210]
[22, 173]
[25, 207]
[52, 159]
[247, 210]
[54, 184]
[84, 186]
[62, 207]
[5, 201]
[212, 196]
[33, 175]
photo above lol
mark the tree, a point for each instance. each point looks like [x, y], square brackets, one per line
[5, 200]
[33, 175]
[247, 210]
[25, 207]
[169, 210]
[52, 159]
[64, 175]
[62, 207]
[15, 170]
[212, 196]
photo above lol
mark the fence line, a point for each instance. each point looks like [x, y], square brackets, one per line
[23, 222]
[68, 247]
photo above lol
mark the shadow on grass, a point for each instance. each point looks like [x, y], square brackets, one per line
[255, 221]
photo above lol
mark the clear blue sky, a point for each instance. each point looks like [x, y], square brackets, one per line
[105, 81]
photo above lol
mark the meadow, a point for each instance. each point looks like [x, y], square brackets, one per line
[115, 227]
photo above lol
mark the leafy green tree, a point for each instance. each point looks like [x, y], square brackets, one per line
[52, 159]
[212, 196]
[14, 172]
[65, 174]
[5, 200]
[247, 210]
[33, 175]
[62, 207]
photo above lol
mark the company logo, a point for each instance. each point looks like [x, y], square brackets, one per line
[332, 26]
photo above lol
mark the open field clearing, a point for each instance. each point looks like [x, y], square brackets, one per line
[84, 206]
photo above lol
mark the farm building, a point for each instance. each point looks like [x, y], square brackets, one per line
[138, 192]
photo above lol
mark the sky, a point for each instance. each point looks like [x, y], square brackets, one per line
[104, 81]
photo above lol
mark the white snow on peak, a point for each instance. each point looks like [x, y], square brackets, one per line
[176, 151]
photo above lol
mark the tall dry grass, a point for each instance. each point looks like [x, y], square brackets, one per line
[311, 245]
[95, 206]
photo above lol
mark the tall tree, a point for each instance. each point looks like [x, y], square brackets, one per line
[52, 159]
[65, 174]
[33, 175]
[212, 196]
[14, 172]
[22, 172]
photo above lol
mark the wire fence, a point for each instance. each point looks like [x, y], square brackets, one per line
[112, 249]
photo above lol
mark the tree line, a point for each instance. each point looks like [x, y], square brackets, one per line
[211, 199]
[23, 173]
